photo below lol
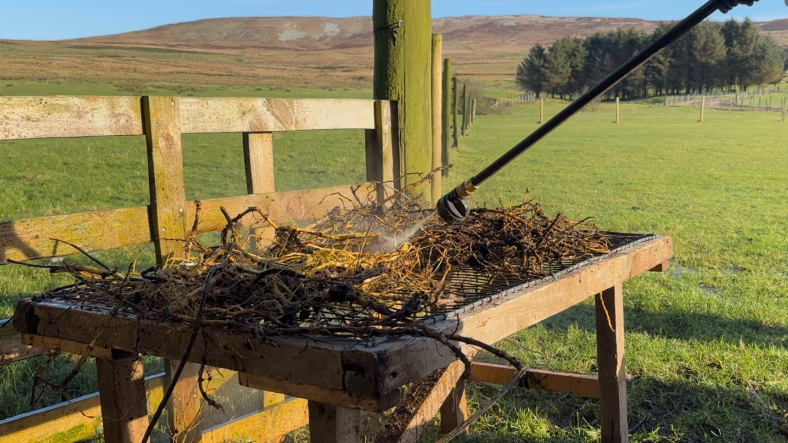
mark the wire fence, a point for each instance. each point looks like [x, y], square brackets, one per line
[525, 98]
[759, 99]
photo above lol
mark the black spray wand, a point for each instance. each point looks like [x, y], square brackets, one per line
[453, 206]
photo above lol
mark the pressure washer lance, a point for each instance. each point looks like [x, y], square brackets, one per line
[453, 207]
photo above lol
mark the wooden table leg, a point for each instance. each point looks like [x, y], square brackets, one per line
[610, 360]
[333, 424]
[454, 410]
[185, 408]
[124, 408]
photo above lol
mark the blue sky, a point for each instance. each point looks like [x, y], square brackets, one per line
[62, 19]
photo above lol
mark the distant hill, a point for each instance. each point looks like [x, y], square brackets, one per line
[515, 33]
[284, 52]
[511, 33]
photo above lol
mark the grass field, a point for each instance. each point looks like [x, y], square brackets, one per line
[706, 349]
[707, 356]
[136, 87]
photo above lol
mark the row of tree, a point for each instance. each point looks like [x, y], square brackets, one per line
[712, 56]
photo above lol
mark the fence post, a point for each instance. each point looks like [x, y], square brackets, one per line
[464, 109]
[541, 110]
[455, 104]
[437, 119]
[259, 165]
[702, 107]
[446, 106]
[467, 109]
[784, 100]
[168, 225]
[401, 72]
[473, 111]
[618, 110]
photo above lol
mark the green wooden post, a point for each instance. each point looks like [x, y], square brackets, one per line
[784, 100]
[437, 120]
[446, 114]
[464, 109]
[455, 104]
[403, 36]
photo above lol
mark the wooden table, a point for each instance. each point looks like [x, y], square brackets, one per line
[339, 377]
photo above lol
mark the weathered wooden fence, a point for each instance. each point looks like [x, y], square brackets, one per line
[162, 120]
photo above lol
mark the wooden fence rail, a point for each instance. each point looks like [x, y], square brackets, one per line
[71, 116]
[162, 120]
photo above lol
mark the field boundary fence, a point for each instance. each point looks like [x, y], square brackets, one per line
[760, 99]
[163, 120]
[521, 99]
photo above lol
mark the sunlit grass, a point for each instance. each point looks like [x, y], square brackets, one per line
[706, 341]
[706, 349]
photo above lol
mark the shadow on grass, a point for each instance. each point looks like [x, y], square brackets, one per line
[659, 411]
[679, 325]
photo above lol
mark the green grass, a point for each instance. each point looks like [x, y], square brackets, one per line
[706, 341]
[706, 349]
[133, 87]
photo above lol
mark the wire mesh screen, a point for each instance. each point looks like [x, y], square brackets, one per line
[472, 288]
[463, 288]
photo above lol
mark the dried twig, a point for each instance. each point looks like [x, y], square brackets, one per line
[361, 271]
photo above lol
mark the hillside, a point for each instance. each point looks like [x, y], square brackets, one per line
[514, 34]
[511, 33]
[292, 51]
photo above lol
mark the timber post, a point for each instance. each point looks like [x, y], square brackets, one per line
[702, 108]
[259, 165]
[446, 114]
[618, 110]
[168, 228]
[611, 364]
[437, 111]
[122, 396]
[467, 105]
[473, 110]
[464, 109]
[403, 35]
[541, 110]
[455, 102]
[784, 100]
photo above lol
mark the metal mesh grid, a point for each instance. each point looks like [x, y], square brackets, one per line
[478, 289]
[468, 288]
